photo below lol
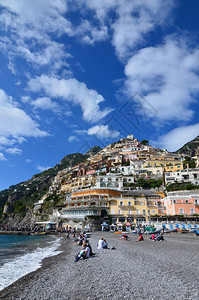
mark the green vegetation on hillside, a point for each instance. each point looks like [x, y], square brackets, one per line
[23, 195]
[189, 162]
[181, 187]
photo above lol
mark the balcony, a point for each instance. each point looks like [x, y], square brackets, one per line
[123, 207]
[80, 214]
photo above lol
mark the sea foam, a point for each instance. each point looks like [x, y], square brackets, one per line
[27, 263]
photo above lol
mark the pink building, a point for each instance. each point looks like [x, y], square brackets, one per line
[182, 203]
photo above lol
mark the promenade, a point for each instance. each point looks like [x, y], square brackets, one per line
[143, 270]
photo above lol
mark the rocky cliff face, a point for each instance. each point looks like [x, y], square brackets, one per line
[16, 203]
[191, 148]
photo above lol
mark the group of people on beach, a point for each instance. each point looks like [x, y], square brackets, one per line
[81, 239]
[86, 250]
[102, 244]
[158, 237]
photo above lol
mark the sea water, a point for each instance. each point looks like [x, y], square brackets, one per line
[20, 255]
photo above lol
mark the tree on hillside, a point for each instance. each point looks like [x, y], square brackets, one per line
[189, 162]
[144, 142]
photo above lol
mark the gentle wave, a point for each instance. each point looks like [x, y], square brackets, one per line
[29, 262]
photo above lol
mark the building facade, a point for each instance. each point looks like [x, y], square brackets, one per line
[182, 203]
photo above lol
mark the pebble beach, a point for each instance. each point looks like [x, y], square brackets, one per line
[149, 269]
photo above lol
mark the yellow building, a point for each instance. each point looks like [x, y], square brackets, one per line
[134, 207]
[76, 183]
[169, 164]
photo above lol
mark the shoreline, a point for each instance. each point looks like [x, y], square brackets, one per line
[12, 289]
[144, 270]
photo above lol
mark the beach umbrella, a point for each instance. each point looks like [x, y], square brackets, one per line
[104, 224]
[128, 224]
[119, 224]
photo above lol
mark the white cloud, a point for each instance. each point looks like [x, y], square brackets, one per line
[177, 137]
[167, 76]
[103, 132]
[15, 123]
[41, 168]
[72, 138]
[14, 150]
[46, 103]
[28, 161]
[131, 22]
[73, 91]
[2, 157]
[91, 34]
[30, 26]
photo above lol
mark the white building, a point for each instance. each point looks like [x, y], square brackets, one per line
[186, 175]
[113, 181]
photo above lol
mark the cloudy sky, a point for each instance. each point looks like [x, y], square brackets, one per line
[79, 73]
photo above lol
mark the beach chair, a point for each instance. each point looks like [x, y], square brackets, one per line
[184, 229]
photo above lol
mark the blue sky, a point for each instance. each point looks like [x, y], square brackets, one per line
[75, 74]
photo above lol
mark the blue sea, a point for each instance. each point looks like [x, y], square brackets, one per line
[20, 255]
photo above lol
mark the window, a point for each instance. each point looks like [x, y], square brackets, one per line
[174, 201]
[192, 211]
[194, 175]
[121, 203]
[138, 212]
[149, 212]
[119, 211]
[153, 211]
[144, 212]
[196, 201]
[181, 211]
[187, 201]
[129, 212]
[129, 203]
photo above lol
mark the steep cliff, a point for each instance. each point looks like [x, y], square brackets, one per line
[191, 148]
[16, 203]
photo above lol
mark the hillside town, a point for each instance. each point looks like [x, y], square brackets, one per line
[128, 182]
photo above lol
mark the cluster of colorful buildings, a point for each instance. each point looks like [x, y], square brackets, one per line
[104, 187]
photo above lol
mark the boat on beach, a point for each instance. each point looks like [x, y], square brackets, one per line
[38, 233]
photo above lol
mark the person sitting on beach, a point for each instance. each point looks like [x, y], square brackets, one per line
[160, 237]
[105, 245]
[140, 238]
[152, 237]
[84, 253]
[100, 244]
[125, 237]
[91, 251]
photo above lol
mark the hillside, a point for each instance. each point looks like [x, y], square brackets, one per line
[191, 148]
[23, 195]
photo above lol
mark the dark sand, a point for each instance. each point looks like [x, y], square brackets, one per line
[144, 270]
